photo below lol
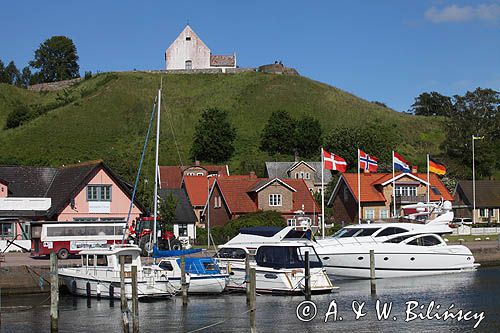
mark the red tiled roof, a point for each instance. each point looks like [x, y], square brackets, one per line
[370, 192]
[171, 175]
[222, 60]
[197, 188]
[236, 189]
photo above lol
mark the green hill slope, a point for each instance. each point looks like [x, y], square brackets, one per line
[106, 117]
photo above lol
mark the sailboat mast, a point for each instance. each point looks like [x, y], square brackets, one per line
[155, 237]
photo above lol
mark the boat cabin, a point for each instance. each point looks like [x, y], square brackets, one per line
[193, 265]
[109, 259]
[418, 240]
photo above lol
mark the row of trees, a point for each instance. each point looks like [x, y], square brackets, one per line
[475, 113]
[56, 59]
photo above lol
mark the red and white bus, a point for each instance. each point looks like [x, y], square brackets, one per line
[65, 238]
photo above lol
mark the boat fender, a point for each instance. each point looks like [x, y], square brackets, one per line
[111, 291]
[73, 287]
[88, 289]
[228, 268]
[98, 290]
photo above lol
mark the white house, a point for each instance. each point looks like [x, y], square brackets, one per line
[189, 52]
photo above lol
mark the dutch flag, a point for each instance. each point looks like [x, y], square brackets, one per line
[399, 163]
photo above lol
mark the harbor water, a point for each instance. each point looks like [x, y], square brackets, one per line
[477, 292]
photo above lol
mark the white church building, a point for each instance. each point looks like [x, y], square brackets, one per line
[189, 52]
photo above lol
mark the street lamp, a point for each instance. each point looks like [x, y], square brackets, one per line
[474, 179]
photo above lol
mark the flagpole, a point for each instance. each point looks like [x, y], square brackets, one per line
[359, 193]
[322, 194]
[473, 184]
[393, 187]
[428, 193]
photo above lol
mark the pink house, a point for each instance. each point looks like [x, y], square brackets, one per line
[88, 191]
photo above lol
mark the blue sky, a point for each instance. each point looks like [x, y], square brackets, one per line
[388, 51]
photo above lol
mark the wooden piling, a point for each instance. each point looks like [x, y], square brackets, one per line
[247, 276]
[135, 302]
[253, 300]
[373, 287]
[307, 277]
[184, 286]
[123, 296]
[54, 294]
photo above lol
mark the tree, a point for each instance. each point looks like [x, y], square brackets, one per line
[432, 104]
[476, 113]
[14, 77]
[213, 137]
[26, 77]
[308, 134]
[4, 77]
[167, 211]
[56, 58]
[278, 134]
[376, 139]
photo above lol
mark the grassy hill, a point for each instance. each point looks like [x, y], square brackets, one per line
[106, 117]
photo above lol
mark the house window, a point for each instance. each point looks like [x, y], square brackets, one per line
[384, 213]
[188, 38]
[217, 202]
[369, 213]
[189, 64]
[274, 199]
[199, 173]
[99, 193]
[183, 230]
[6, 230]
[302, 174]
[492, 212]
[407, 191]
[483, 212]
[85, 219]
[308, 175]
[291, 222]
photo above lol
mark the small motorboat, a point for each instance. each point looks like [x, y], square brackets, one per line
[99, 274]
[202, 274]
[279, 261]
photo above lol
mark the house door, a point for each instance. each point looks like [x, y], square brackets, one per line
[189, 64]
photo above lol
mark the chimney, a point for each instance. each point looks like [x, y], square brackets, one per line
[296, 156]
[414, 169]
[197, 163]
[252, 174]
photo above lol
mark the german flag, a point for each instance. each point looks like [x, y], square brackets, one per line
[436, 167]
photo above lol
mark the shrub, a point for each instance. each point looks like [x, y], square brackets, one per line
[18, 116]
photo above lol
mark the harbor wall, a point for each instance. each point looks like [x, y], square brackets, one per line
[15, 280]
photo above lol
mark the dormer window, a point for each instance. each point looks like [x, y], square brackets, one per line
[188, 38]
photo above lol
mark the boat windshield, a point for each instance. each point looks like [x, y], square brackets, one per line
[286, 257]
[354, 232]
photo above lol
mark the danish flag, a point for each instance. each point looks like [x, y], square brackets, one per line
[367, 162]
[333, 162]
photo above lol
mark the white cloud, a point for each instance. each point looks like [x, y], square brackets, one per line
[454, 13]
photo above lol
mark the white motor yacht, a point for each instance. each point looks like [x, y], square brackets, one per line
[279, 261]
[401, 249]
[99, 274]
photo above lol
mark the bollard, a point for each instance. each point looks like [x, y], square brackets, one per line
[247, 276]
[307, 277]
[54, 294]
[372, 272]
[184, 286]
[135, 302]
[87, 289]
[123, 296]
[252, 302]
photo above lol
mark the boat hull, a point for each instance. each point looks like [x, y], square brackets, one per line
[390, 262]
[110, 288]
[276, 281]
[203, 284]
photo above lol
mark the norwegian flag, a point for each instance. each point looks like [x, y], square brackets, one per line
[333, 162]
[367, 162]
